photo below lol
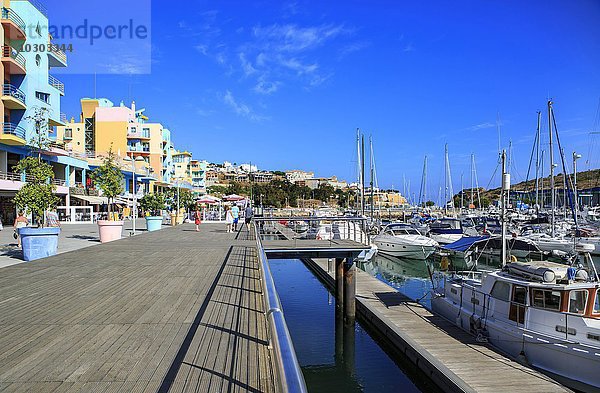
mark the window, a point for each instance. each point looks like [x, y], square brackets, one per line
[549, 300]
[68, 133]
[42, 96]
[577, 301]
[517, 306]
[501, 291]
[597, 303]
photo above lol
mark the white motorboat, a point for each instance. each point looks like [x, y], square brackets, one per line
[548, 243]
[402, 240]
[542, 313]
[446, 230]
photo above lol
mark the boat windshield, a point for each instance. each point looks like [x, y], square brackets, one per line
[454, 224]
[400, 230]
[597, 303]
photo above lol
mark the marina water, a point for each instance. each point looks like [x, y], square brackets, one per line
[310, 315]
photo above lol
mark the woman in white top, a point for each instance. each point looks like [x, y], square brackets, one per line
[228, 219]
[20, 222]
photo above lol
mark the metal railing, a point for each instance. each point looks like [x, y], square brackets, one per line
[138, 149]
[327, 229]
[11, 15]
[136, 134]
[55, 51]
[9, 51]
[52, 81]
[13, 129]
[289, 372]
[13, 91]
[40, 7]
[12, 176]
[63, 118]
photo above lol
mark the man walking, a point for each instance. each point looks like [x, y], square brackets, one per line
[248, 214]
[235, 211]
[52, 219]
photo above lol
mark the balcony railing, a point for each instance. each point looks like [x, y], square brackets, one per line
[136, 134]
[40, 7]
[12, 176]
[11, 15]
[141, 149]
[13, 129]
[12, 91]
[63, 117]
[52, 81]
[9, 51]
[56, 52]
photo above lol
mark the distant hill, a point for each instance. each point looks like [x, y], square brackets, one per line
[585, 180]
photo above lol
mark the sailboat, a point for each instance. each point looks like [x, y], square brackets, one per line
[544, 314]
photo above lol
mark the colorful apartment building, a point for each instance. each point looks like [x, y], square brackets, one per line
[198, 175]
[126, 131]
[29, 88]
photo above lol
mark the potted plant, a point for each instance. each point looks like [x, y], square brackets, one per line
[153, 204]
[36, 197]
[179, 199]
[109, 178]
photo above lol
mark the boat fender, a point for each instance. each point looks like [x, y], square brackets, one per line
[444, 263]
[513, 258]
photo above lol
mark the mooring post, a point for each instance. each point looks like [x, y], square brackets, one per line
[339, 336]
[339, 282]
[349, 290]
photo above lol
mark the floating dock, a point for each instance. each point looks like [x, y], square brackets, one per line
[449, 356]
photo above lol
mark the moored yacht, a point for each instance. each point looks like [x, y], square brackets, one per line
[446, 230]
[402, 240]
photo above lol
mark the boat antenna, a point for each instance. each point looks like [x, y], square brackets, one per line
[503, 201]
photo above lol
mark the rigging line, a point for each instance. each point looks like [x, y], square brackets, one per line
[493, 176]
[562, 158]
[531, 160]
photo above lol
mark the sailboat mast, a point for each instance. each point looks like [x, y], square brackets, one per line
[358, 172]
[372, 175]
[462, 194]
[472, 160]
[446, 178]
[362, 174]
[552, 190]
[537, 162]
[505, 191]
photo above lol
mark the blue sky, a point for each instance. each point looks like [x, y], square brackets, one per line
[286, 84]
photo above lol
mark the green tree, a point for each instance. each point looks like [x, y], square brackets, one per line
[109, 178]
[153, 203]
[37, 195]
[186, 198]
[39, 140]
[429, 203]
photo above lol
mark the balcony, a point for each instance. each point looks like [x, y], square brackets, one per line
[12, 134]
[12, 97]
[14, 26]
[56, 57]
[57, 84]
[138, 135]
[14, 62]
[138, 149]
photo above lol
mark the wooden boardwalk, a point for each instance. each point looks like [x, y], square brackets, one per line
[172, 310]
[446, 353]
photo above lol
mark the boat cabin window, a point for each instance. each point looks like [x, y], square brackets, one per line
[547, 299]
[597, 303]
[501, 291]
[517, 306]
[577, 301]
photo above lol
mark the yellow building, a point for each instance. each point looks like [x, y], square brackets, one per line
[104, 126]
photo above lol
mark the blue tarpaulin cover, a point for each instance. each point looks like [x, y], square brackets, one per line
[464, 243]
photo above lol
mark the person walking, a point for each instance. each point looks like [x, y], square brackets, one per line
[197, 216]
[235, 210]
[248, 214]
[20, 222]
[52, 219]
[228, 219]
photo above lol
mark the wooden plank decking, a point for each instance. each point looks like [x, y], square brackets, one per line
[456, 357]
[172, 310]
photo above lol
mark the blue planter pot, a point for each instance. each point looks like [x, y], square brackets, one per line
[38, 242]
[154, 223]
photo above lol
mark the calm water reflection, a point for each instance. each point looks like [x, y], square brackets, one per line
[310, 314]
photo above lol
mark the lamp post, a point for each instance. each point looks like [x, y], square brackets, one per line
[134, 208]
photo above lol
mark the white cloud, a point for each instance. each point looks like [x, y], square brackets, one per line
[481, 126]
[240, 108]
[266, 87]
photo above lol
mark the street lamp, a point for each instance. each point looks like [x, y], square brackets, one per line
[134, 212]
